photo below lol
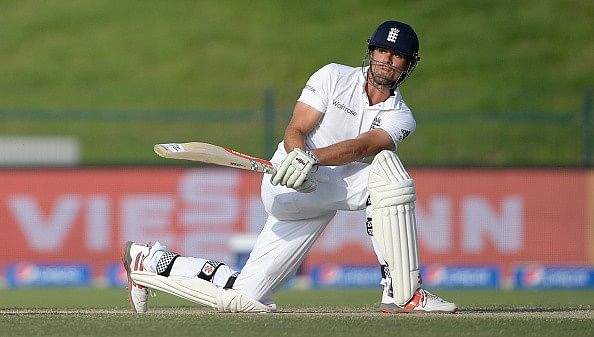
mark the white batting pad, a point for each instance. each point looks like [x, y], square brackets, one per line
[392, 193]
[200, 291]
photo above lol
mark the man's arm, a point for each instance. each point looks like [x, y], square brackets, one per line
[296, 168]
[305, 118]
[366, 144]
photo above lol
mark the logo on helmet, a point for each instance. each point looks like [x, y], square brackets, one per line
[393, 34]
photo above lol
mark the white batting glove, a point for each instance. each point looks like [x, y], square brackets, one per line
[297, 167]
[309, 185]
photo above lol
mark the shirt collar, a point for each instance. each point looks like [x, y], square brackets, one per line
[388, 104]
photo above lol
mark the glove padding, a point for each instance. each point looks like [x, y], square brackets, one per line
[309, 185]
[296, 170]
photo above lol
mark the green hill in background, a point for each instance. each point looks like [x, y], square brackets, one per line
[517, 69]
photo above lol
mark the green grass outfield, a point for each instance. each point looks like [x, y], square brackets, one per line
[500, 82]
[104, 312]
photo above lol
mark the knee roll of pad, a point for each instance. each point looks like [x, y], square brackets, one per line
[385, 194]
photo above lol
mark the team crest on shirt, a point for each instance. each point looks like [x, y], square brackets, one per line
[376, 123]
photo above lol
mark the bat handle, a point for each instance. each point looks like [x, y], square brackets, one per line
[321, 178]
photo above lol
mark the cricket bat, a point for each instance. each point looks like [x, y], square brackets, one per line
[213, 154]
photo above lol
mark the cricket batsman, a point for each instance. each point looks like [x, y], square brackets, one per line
[346, 126]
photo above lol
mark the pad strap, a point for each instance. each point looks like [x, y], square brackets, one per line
[369, 217]
[166, 263]
[231, 281]
[209, 269]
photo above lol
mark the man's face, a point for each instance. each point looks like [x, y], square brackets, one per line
[387, 65]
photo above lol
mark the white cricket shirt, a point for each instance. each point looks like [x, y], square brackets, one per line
[338, 91]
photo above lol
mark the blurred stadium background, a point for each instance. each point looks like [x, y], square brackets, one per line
[502, 155]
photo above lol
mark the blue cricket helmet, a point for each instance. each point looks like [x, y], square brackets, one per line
[398, 37]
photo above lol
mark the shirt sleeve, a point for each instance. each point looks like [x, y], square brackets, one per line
[399, 124]
[317, 90]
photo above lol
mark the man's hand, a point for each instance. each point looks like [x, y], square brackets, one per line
[297, 168]
[309, 185]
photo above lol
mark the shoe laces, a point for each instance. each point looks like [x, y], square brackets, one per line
[428, 295]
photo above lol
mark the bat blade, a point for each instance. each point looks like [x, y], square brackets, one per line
[213, 154]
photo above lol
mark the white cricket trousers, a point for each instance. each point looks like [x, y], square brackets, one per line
[279, 251]
[295, 221]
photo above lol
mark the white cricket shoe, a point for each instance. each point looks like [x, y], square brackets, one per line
[269, 304]
[422, 301]
[134, 254]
